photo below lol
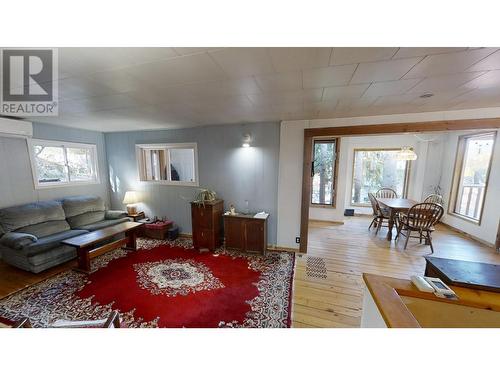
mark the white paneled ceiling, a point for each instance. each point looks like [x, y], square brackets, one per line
[119, 89]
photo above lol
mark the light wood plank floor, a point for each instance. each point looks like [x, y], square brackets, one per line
[331, 295]
[328, 292]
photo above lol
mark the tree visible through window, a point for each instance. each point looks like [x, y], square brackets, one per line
[59, 163]
[323, 172]
[472, 170]
[375, 169]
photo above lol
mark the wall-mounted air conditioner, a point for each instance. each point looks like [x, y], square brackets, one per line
[15, 128]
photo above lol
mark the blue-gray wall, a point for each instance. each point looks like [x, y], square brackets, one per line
[235, 173]
[16, 181]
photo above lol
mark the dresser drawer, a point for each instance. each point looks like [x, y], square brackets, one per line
[207, 221]
[202, 218]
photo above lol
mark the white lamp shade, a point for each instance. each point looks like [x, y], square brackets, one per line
[130, 197]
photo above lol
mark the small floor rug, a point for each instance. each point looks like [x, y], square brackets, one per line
[165, 284]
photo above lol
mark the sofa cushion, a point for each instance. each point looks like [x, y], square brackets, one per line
[12, 218]
[115, 214]
[77, 205]
[16, 240]
[103, 224]
[85, 219]
[60, 253]
[49, 242]
[39, 262]
[46, 229]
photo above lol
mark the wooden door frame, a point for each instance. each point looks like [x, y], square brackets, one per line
[375, 129]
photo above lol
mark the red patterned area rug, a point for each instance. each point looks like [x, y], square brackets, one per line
[165, 284]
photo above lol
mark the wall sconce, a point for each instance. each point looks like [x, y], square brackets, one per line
[247, 139]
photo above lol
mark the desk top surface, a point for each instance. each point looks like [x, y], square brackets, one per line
[247, 216]
[466, 273]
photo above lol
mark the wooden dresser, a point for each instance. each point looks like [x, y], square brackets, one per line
[207, 224]
[246, 233]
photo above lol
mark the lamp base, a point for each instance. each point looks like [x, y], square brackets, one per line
[131, 210]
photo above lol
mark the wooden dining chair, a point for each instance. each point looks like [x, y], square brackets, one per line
[386, 193]
[379, 215]
[112, 321]
[434, 198]
[420, 218]
[23, 323]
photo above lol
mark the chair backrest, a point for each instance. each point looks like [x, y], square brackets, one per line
[375, 206]
[424, 215]
[386, 193]
[434, 198]
[112, 321]
[23, 323]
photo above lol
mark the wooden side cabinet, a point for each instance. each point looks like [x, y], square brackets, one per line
[246, 233]
[207, 224]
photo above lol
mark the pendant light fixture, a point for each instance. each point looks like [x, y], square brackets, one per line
[406, 153]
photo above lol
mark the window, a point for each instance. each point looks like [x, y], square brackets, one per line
[472, 168]
[173, 164]
[324, 172]
[57, 163]
[377, 168]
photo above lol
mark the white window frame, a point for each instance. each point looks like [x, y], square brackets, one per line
[47, 185]
[458, 174]
[406, 181]
[166, 147]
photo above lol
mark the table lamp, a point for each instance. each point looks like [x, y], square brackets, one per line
[130, 199]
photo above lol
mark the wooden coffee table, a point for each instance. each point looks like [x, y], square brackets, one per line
[87, 244]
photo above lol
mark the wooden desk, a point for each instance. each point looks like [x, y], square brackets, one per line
[395, 205]
[474, 275]
[246, 233]
[85, 244]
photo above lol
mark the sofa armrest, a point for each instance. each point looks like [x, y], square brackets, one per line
[115, 214]
[17, 240]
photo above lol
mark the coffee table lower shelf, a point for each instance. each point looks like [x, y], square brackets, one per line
[87, 244]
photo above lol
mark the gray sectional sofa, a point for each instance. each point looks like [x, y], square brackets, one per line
[31, 234]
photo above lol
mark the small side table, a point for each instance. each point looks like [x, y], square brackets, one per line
[136, 217]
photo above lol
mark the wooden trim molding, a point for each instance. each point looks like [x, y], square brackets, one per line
[468, 235]
[410, 127]
[306, 191]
